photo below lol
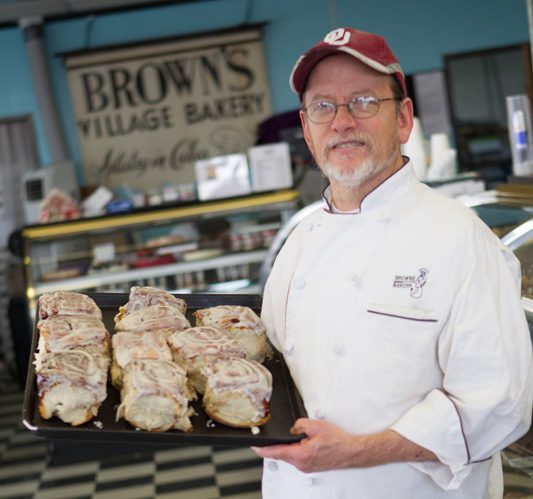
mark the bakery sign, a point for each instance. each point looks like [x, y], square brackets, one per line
[145, 113]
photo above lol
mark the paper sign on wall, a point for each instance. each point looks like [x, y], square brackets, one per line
[270, 167]
[222, 177]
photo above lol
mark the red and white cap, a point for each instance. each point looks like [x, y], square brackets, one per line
[370, 49]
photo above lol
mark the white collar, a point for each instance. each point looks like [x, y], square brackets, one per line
[389, 189]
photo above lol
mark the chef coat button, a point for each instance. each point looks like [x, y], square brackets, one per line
[338, 350]
[356, 280]
[309, 481]
[272, 465]
[289, 347]
[319, 414]
[299, 283]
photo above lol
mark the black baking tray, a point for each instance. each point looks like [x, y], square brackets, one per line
[286, 405]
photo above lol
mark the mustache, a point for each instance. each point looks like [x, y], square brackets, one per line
[333, 142]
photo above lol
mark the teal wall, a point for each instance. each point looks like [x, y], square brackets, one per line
[421, 32]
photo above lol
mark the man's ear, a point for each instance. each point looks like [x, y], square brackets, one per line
[405, 120]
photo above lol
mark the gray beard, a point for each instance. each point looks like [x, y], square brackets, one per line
[357, 176]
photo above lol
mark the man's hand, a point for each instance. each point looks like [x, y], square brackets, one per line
[326, 447]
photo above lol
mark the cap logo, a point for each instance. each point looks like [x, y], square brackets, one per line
[338, 36]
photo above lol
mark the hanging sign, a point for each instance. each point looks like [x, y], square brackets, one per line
[146, 113]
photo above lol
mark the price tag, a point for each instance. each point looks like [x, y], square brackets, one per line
[103, 253]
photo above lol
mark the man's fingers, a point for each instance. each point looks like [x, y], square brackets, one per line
[295, 430]
[298, 427]
[302, 426]
[272, 451]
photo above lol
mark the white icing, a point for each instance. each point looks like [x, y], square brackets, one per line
[241, 375]
[232, 318]
[67, 303]
[139, 345]
[147, 296]
[154, 318]
[75, 367]
[69, 332]
[205, 340]
[144, 377]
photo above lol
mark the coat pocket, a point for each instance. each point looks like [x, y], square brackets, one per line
[404, 313]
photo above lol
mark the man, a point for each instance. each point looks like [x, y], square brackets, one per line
[396, 309]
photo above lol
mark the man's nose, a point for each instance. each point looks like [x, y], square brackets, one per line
[343, 118]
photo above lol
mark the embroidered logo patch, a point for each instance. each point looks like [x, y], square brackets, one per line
[412, 282]
[337, 37]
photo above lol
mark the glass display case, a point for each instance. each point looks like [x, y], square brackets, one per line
[520, 240]
[508, 211]
[215, 246]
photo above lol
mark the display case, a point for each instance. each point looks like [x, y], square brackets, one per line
[508, 211]
[520, 240]
[215, 246]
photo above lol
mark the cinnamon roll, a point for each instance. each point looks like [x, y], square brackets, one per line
[243, 323]
[128, 346]
[155, 396]
[71, 385]
[154, 318]
[67, 303]
[237, 392]
[148, 296]
[196, 347]
[60, 333]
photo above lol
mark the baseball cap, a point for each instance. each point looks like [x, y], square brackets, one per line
[368, 48]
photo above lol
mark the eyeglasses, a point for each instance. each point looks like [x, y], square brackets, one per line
[361, 107]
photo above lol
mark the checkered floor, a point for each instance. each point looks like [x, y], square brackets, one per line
[29, 469]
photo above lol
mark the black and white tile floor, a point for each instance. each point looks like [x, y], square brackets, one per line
[28, 470]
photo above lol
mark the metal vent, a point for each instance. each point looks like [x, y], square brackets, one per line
[34, 190]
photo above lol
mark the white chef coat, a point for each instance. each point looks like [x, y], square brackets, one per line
[405, 315]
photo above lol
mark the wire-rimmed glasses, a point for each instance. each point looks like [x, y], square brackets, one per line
[364, 106]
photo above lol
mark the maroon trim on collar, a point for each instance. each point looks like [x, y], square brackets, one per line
[329, 208]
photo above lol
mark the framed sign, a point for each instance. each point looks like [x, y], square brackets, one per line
[146, 113]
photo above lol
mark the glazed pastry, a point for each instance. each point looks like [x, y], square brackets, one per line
[243, 323]
[128, 346]
[154, 318]
[71, 385]
[70, 332]
[147, 296]
[237, 392]
[155, 396]
[67, 303]
[196, 347]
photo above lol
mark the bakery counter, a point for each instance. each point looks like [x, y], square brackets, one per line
[193, 275]
[212, 246]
